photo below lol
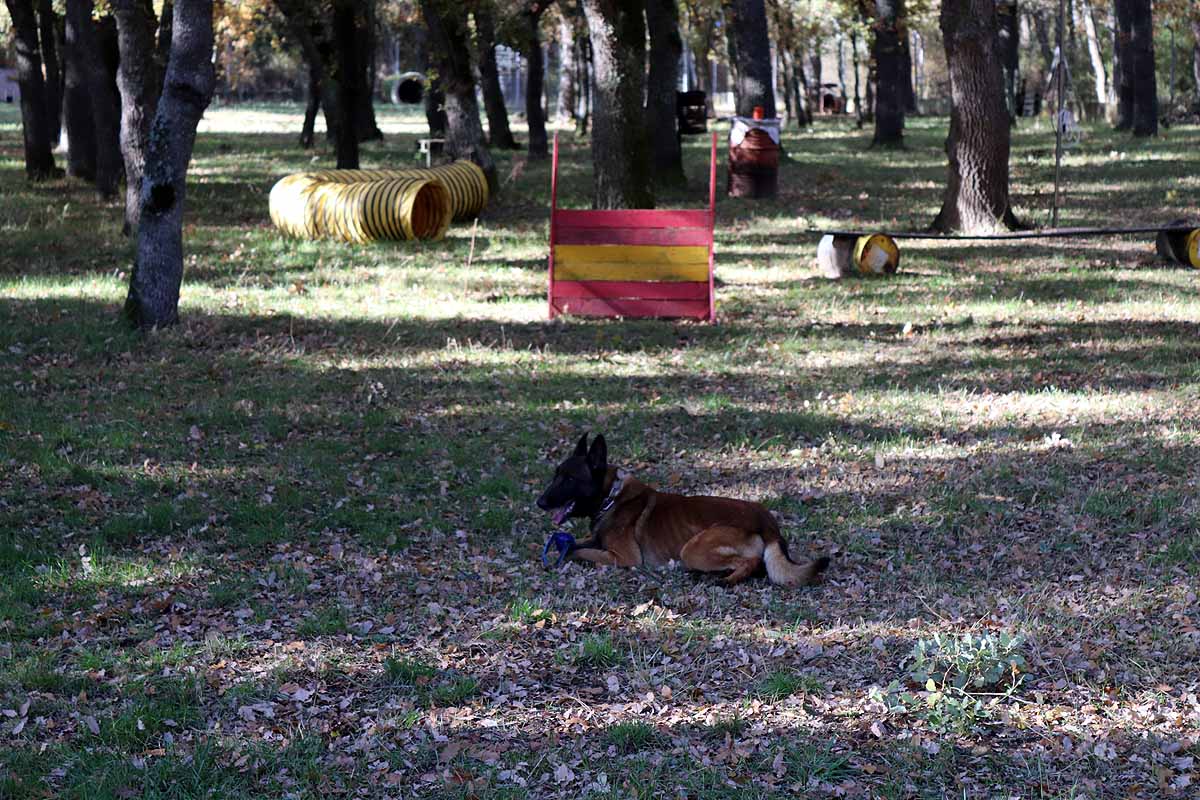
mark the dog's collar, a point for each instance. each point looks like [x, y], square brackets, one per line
[611, 499]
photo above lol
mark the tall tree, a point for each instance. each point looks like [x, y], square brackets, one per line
[499, 132]
[567, 66]
[535, 74]
[976, 198]
[894, 81]
[662, 83]
[140, 82]
[91, 105]
[39, 158]
[620, 148]
[47, 32]
[79, 57]
[1140, 55]
[1010, 52]
[154, 284]
[347, 75]
[1196, 57]
[450, 54]
[1095, 54]
[748, 23]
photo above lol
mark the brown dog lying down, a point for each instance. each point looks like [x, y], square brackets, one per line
[633, 524]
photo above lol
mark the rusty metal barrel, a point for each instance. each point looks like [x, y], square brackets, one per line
[754, 156]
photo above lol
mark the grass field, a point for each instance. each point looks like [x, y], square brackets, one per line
[289, 548]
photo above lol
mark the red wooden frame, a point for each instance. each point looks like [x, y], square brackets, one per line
[658, 227]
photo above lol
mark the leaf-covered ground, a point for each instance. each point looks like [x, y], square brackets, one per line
[289, 548]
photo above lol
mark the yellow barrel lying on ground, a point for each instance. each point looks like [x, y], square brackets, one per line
[464, 180]
[308, 206]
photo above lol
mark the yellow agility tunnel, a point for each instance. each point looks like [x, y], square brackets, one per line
[309, 207]
[464, 180]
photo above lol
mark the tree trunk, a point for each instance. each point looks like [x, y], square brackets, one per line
[364, 58]
[535, 81]
[785, 74]
[48, 27]
[346, 76]
[891, 75]
[799, 88]
[1145, 82]
[1095, 54]
[1010, 52]
[311, 107]
[976, 198]
[1042, 31]
[79, 53]
[620, 148]
[754, 84]
[499, 132]
[39, 158]
[1196, 59]
[153, 299]
[567, 66]
[1123, 63]
[662, 83]
[586, 69]
[858, 104]
[451, 57]
[140, 82]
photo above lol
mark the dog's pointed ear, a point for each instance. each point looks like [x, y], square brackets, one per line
[598, 454]
[581, 448]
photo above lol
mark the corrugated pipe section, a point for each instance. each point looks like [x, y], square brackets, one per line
[464, 180]
[310, 206]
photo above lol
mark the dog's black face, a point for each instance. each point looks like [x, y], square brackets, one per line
[577, 489]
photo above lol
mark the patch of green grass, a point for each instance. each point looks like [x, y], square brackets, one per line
[1181, 550]
[327, 621]
[782, 683]
[158, 705]
[525, 611]
[455, 691]
[815, 762]
[598, 651]
[631, 736]
[406, 672]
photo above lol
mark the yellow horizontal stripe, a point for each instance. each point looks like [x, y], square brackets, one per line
[589, 262]
[631, 253]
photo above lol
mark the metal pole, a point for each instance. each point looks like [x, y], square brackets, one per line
[1061, 102]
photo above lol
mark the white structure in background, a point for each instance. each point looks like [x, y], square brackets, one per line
[10, 90]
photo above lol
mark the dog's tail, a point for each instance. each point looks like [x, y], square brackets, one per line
[785, 572]
[780, 567]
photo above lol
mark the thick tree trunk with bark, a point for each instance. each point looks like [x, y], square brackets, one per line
[499, 132]
[894, 83]
[1141, 56]
[365, 46]
[1095, 54]
[47, 28]
[450, 54]
[140, 82]
[568, 97]
[535, 80]
[976, 198]
[1010, 52]
[1196, 59]
[748, 21]
[311, 106]
[348, 76]
[39, 158]
[662, 82]
[860, 117]
[1123, 64]
[79, 54]
[153, 299]
[620, 148]
[92, 108]
[1041, 30]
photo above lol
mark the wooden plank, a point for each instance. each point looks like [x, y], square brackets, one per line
[694, 309]
[634, 218]
[628, 254]
[640, 290]
[666, 237]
